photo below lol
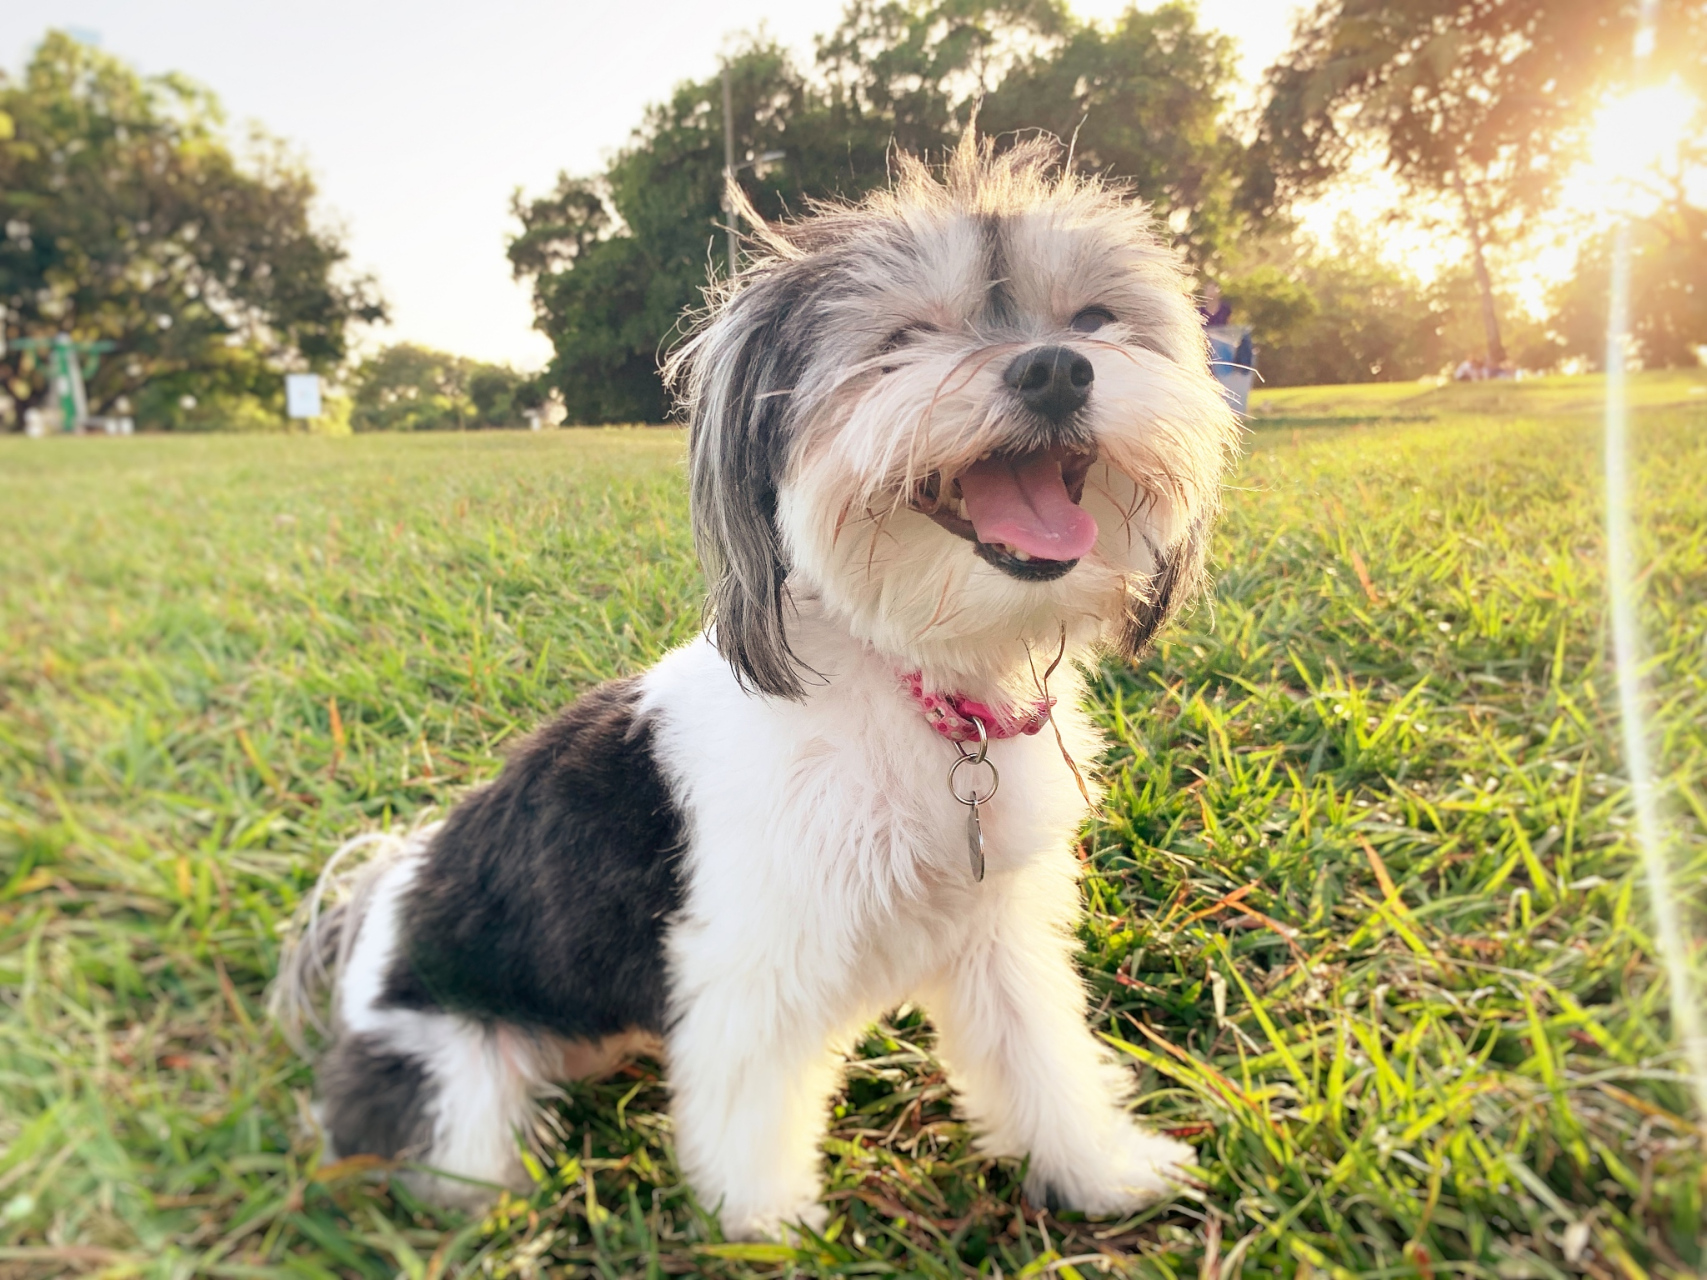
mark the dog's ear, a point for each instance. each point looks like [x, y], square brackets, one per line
[737, 376]
[1178, 572]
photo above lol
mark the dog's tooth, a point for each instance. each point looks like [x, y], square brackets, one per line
[1017, 554]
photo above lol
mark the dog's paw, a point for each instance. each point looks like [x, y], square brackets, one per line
[773, 1224]
[1133, 1169]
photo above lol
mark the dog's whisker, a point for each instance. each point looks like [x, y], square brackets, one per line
[942, 601]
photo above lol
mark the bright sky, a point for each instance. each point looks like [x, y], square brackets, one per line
[419, 119]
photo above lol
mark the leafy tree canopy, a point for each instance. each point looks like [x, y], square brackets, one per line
[911, 69]
[1668, 291]
[407, 387]
[615, 259]
[127, 218]
[1502, 87]
[1486, 102]
[1146, 100]
[1668, 254]
[1337, 312]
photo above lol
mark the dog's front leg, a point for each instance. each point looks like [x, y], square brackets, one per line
[1033, 1080]
[751, 1075]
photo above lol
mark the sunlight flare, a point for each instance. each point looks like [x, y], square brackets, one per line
[1639, 131]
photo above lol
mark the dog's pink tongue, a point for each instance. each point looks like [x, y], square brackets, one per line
[1024, 503]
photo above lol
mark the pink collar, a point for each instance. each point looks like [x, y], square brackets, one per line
[956, 717]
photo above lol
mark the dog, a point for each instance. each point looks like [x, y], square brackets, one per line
[944, 444]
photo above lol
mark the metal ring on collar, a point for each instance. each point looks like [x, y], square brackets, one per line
[975, 798]
[983, 743]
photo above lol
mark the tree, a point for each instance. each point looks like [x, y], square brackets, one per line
[1144, 100]
[1668, 256]
[1481, 102]
[614, 260]
[1668, 290]
[912, 70]
[502, 397]
[408, 387]
[126, 217]
[1336, 313]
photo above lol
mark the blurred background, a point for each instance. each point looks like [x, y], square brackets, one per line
[494, 216]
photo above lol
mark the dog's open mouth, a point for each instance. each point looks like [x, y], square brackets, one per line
[1020, 511]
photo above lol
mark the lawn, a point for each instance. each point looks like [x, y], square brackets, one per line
[1365, 918]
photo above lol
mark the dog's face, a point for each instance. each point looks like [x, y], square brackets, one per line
[968, 417]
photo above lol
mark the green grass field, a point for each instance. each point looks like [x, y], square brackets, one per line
[1364, 912]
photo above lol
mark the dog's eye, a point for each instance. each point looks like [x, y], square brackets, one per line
[1090, 320]
[902, 336]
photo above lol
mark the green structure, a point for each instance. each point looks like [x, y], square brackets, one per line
[69, 363]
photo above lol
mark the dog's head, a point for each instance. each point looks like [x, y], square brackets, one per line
[967, 416]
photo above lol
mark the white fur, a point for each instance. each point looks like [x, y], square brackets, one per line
[828, 881]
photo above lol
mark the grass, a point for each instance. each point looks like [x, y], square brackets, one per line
[1364, 913]
[1431, 402]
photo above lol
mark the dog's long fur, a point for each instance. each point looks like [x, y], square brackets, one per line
[742, 856]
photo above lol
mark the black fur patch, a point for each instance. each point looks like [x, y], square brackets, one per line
[545, 897]
[375, 1098]
[1176, 576]
[737, 453]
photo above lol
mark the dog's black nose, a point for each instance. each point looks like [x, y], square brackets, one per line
[1054, 382]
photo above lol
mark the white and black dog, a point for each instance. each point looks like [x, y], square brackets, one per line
[938, 438]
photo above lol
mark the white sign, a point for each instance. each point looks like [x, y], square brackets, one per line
[302, 395]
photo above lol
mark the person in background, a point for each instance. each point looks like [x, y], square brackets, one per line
[1231, 356]
[1214, 309]
[1245, 356]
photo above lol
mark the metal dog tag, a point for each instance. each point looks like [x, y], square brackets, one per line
[974, 827]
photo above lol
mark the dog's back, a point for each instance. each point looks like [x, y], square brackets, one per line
[471, 964]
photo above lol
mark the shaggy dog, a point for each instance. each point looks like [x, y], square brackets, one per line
[941, 439]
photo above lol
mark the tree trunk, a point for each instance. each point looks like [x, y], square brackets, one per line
[1484, 281]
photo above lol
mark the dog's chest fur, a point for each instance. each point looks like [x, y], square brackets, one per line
[828, 823]
[674, 826]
